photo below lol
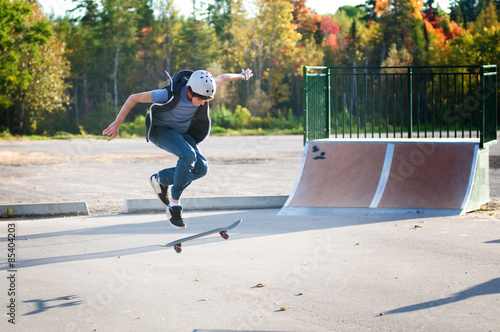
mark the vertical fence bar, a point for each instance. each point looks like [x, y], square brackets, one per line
[350, 108]
[440, 106]
[356, 105]
[328, 106]
[469, 106]
[342, 96]
[366, 101]
[410, 103]
[448, 120]
[305, 103]
[334, 103]
[401, 102]
[425, 105]
[417, 91]
[433, 108]
[455, 102]
[373, 105]
[388, 105]
[482, 108]
[479, 112]
[463, 105]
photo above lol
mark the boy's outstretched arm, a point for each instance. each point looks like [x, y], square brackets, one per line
[142, 97]
[244, 75]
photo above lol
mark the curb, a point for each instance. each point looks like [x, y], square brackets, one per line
[208, 203]
[131, 206]
[44, 209]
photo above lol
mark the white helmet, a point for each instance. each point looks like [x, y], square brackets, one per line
[202, 83]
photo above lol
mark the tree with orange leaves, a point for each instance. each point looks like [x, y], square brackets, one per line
[308, 22]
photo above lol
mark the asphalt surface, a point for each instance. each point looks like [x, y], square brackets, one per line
[319, 274]
[103, 174]
[104, 272]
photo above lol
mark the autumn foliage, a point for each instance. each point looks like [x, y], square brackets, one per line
[112, 48]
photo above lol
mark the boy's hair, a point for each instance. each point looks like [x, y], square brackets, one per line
[200, 96]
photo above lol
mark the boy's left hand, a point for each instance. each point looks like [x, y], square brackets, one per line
[248, 73]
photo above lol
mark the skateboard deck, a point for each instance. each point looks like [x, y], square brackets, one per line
[177, 244]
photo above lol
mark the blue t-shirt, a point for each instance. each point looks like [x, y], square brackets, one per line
[180, 117]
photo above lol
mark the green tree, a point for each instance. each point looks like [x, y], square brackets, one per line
[32, 67]
[352, 53]
[219, 15]
[118, 29]
[463, 11]
[163, 41]
[487, 19]
[198, 44]
[113, 51]
[274, 42]
[477, 49]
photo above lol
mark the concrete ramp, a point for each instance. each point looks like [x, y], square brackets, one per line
[433, 177]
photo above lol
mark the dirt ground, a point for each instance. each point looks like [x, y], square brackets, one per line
[104, 174]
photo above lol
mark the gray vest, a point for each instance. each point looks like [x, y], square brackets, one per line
[199, 128]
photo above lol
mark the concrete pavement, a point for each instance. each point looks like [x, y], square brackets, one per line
[105, 273]
[358, 273]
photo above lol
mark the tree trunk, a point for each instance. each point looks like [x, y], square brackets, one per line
[115, 78]
[77, 113]
[85, 89]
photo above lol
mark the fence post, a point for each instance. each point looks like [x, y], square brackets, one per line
[410, 103]
[488, 123]
[305, 105]
[328, 104]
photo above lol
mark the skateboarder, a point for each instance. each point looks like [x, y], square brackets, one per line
[177, 122]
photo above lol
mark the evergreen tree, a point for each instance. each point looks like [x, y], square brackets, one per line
[487, 19]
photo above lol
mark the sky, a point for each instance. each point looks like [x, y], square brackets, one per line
[321, 7]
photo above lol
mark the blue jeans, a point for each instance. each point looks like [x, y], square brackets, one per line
[191, 164]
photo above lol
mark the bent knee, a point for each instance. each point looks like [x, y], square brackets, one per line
[201, 169]
[188, 157]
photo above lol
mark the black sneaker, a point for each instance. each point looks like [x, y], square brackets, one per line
[176, 220]
[159, 189]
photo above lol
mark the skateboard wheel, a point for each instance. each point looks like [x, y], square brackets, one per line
[224, 235]
[178, 248]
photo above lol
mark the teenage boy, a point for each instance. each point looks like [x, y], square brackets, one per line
[177, 122]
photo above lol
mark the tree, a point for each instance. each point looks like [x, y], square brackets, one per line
[397, 58]
[32, 67]
[198, 43]
[118, 21]
[487, 19]
[475, 49]
[463, 11]
[219, 15]
[352, 47]
[307, 21]
[274, 42]
[166, 30]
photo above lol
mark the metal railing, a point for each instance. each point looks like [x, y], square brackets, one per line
[401, 102]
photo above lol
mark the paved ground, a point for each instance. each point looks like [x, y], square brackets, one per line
[330, 273]
[104, 272]
[104, 174]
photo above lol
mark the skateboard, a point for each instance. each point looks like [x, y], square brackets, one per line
[177, 244]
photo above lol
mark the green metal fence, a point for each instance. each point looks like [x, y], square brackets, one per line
[401, 102]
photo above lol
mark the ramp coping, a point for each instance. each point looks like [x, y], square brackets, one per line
[384, 176]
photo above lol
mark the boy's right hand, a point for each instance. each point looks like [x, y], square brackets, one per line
[112, 130]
